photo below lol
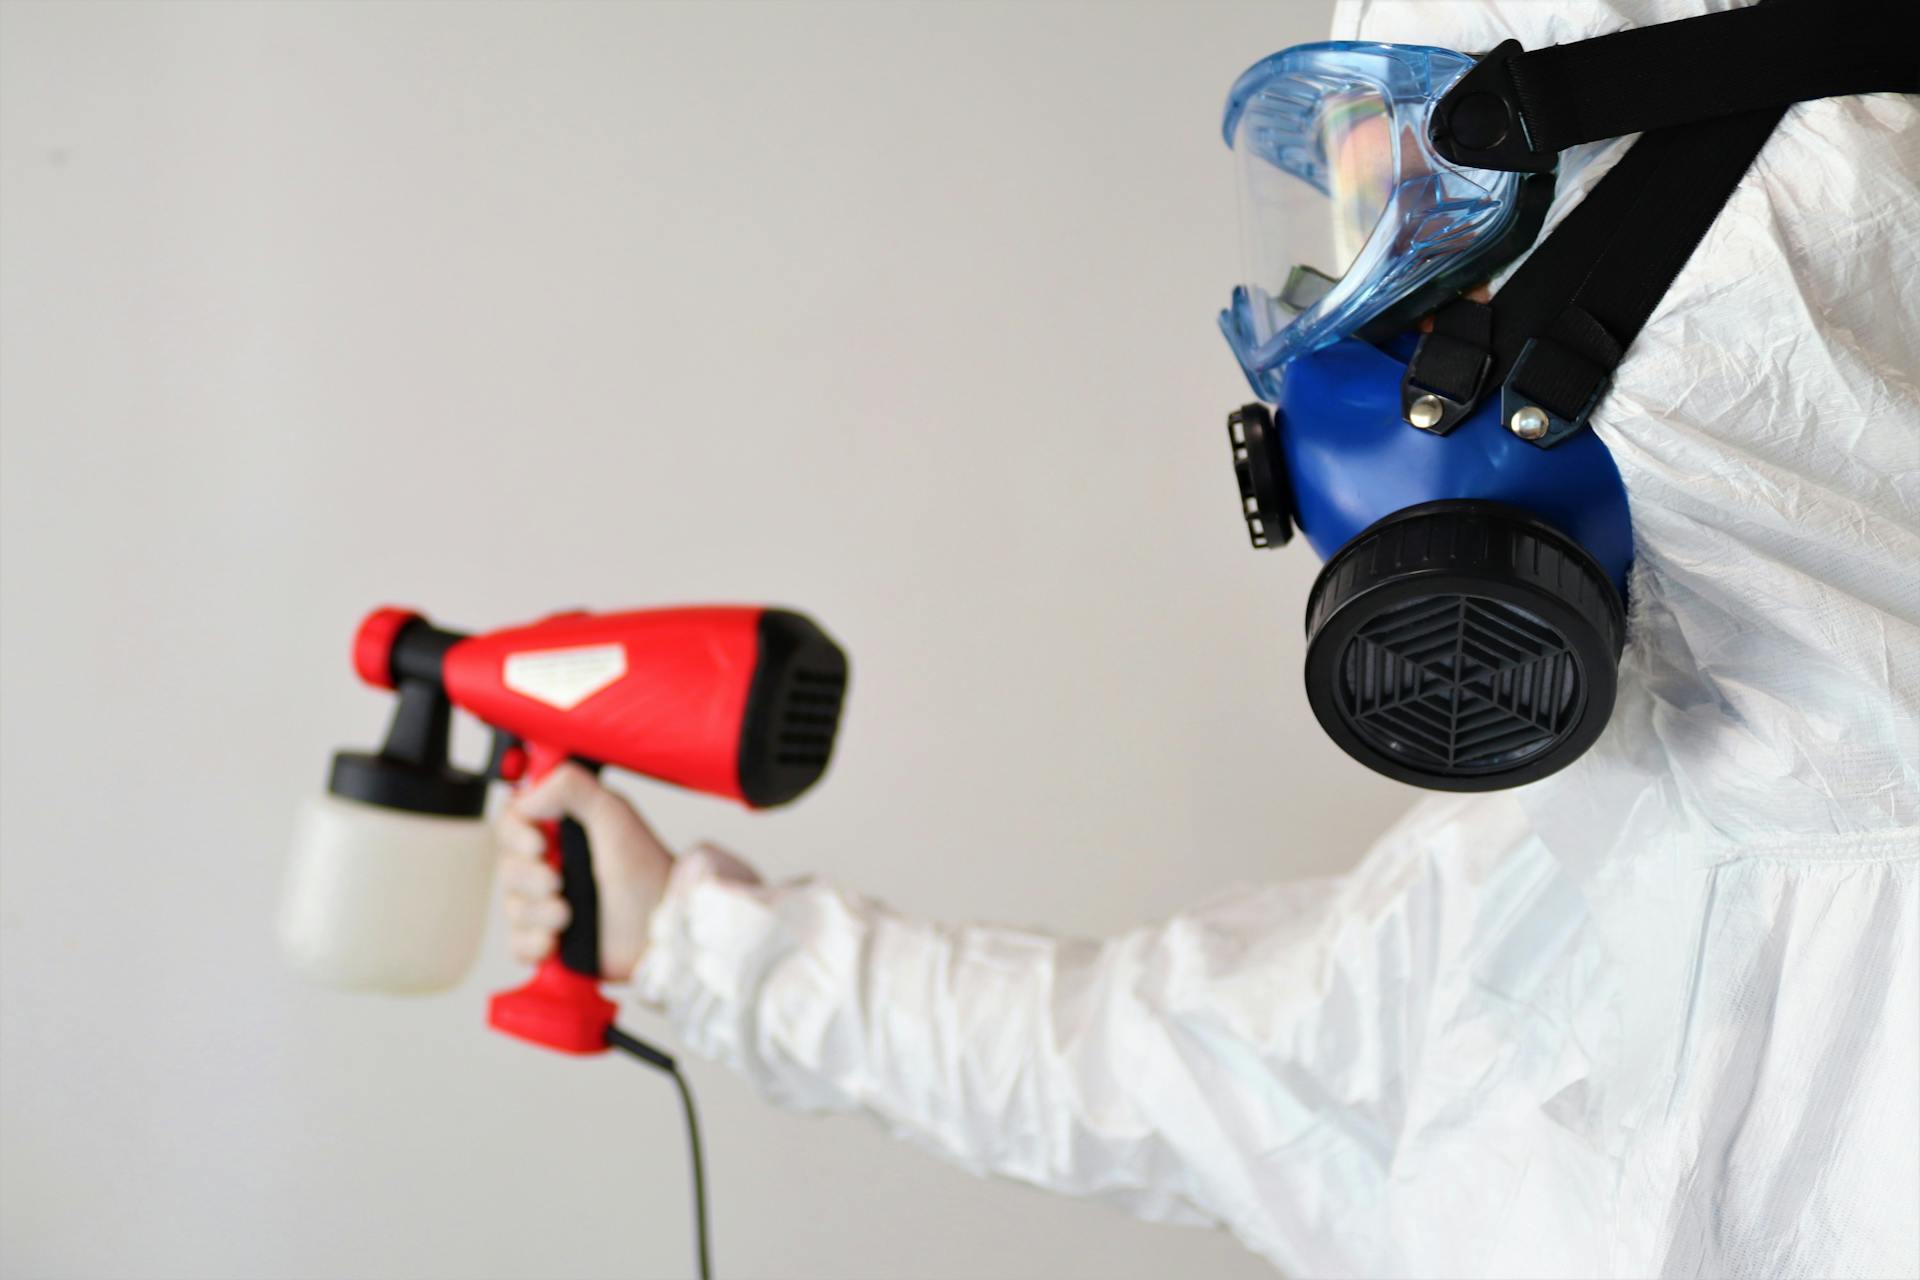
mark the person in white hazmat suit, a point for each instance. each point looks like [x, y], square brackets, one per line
[1657, 1014]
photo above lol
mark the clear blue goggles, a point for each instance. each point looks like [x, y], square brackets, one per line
[1351, 224]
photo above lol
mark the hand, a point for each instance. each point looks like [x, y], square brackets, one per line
[630, 867]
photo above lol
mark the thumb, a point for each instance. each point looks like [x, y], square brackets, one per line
[621, 844]
[567, 792]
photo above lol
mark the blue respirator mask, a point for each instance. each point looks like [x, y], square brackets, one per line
[1433, 448]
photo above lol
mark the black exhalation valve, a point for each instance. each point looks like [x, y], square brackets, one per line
[1265, 502]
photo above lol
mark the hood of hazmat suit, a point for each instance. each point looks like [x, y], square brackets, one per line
[1657, 1014]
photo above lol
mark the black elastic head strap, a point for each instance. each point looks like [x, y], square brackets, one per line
[1562, 322]
[1449, 369]
[1708, 91]
[1517, 110]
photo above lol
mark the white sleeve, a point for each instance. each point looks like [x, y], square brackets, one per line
[1006, 1052]
[1162, 1070]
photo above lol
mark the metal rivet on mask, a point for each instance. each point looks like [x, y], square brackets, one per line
[1529, 423]
[1425, 412]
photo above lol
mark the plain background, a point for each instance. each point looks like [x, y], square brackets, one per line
[899, 314]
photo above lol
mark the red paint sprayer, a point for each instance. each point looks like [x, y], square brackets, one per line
[389, 883]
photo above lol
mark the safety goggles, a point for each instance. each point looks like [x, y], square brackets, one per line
[1465, 633]
[1351, 224]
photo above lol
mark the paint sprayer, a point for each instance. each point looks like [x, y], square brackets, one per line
[392, 869]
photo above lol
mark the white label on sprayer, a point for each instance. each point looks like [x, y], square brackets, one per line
[564, 678]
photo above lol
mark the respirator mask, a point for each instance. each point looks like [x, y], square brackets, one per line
[1435, 449]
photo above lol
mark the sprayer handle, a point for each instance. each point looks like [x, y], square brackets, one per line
[562, 1007]
[579, 945]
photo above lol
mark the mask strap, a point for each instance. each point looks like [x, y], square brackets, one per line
[1564, 320]
[1448, 372]
[1517, 110]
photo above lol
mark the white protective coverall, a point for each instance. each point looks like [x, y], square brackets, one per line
[1656, 1015]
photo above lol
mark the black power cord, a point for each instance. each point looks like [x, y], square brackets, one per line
[660, 1061]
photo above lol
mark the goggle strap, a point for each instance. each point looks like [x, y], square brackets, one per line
[1517, 110]
[1562, 323]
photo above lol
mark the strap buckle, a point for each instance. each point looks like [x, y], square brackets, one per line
[1434, 409]
[1533, 417]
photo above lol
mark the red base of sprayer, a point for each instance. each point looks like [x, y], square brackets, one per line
[559, 1008]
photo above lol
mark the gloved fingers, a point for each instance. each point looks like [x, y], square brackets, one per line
[568, 792]
[617, 836]
[531, 945]
[519, 839]
[548, 914]
[528, 877]
[630, 868]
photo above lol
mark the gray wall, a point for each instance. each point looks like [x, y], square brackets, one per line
[899, 314]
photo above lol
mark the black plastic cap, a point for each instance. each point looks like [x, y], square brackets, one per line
[793, 709]
[1266, 502]
[411, 770]
[441, 791]
[1463, 646]
[1479, 124]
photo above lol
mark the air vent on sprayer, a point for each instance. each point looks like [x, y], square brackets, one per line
[1464, 646]
[793, 709]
